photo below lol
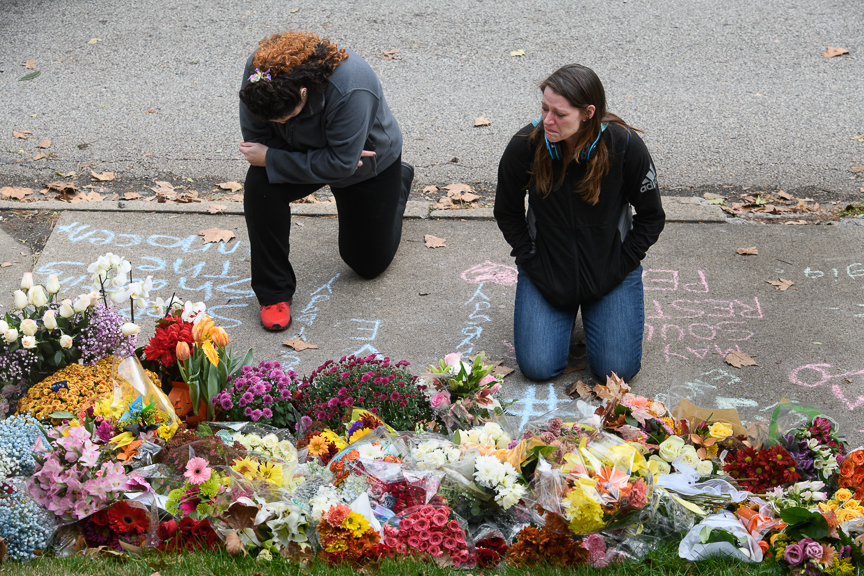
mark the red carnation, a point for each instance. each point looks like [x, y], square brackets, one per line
[187, 524]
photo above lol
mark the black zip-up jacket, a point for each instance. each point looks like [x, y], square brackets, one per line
[576, 252]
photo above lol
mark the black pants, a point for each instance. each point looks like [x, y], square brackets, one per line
[370, 227]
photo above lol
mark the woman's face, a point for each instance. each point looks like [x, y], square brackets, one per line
[561, 121]
[296, 110]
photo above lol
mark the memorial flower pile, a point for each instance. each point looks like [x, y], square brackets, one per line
[363, 460]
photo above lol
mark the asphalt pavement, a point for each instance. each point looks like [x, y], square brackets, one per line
[728, 93]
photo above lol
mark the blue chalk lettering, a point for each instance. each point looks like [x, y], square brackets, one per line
[374, 330]
[194, 269]
[225, 266]
[225, 288]
[48, 268]
[134, 240]
[158, 264]
[109, 236]
[236, 322]
[207, 287]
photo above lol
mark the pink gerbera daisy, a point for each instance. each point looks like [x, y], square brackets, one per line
[197, 471]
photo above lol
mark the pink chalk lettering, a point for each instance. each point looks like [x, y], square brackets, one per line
[748, 332]
[704, 352]
[727, 306]
[838, 393]
[702, 284]
[748, 311]
[665, 326]
[684, 309]
[673, 280]
[658, 310]
[821, 376]
[669, 353]
[695, 335]
[650, 329]
[491, 272]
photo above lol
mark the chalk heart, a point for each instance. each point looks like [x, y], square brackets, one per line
[491, 272]
[823, 377]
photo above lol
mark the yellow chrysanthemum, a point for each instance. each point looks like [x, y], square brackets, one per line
[210, 353]
[356, 524]
[247, 467]
[271, 473]
[584, 513]
[337, 546]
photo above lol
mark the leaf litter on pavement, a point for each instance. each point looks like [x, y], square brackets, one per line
[216, 235]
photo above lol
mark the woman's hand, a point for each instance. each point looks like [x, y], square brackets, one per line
[364, 154]
[255, 153]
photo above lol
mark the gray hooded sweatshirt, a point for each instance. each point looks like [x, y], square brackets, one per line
[322, 144]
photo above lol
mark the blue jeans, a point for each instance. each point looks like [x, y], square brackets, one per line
[613, 330]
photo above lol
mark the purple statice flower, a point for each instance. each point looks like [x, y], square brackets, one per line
[18, 365]
[102, 336]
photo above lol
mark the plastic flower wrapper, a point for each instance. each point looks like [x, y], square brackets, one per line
[843, 504]
[347, 533]
[320, 444]
[815, 444]
[461, 393]
[394, 486]
[134, 390]
[806, 494]
[720, 535]
[127, 522]
[376, 445]
[262, 394]
[436, 532]
[430, 451]
[609, 485]
[262, 439]
[73, 478]
[813, 543]
[634, 418]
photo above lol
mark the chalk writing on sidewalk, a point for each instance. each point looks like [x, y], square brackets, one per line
[842, 383]
[721, 324]
[213, 273]
[491, 272]
[710, 390]
[528, 405]
[853, 271]
[307, 317]
[472, 329]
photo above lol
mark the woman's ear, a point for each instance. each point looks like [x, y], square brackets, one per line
[589, 111]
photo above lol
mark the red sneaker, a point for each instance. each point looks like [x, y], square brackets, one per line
[276, 317]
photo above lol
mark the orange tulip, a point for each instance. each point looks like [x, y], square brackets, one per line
[210, 353]
[201, 332]
[182, 351]
[219, 337]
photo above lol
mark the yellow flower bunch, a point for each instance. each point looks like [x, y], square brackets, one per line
[843, 505]
[167, 432]
[86, 386]
[331, 436]
[356, 524]
[583, 512]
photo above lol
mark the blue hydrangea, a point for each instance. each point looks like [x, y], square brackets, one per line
[18, 434]
[24, 525]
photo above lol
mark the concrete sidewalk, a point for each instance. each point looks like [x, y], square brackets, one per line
[702, 300]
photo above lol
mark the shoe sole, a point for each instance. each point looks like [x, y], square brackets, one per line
[277, 327]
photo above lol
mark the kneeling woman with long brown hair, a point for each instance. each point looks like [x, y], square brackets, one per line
[579, 245]
[314, 114]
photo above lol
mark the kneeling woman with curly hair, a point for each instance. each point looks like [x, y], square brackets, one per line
[313, 114]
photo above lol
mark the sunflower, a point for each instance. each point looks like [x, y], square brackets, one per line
[358, 434]
[271, 473]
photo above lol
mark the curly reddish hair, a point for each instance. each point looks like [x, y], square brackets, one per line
[296, 60]
[286, 50]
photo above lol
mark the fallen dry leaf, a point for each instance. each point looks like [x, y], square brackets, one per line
[45, 144]
[232, 186]
[782, 284]
[29, 64]
[834, 51]
[102, 177]
[216, 208]
[430, 190]
[16, 193]
[785, 195]
[752, 251]
[461, 192]
[795, 223]
[502, 371]
[481, 121]
[94, 40]
[444, 203]
[233, 545]
[66, 175]
[857, 168]
[298, 344]
[234, 198]
[390, 54]
[580, 388]
[22, 134]
[131, 196]
[39, 156]
[519, 52]
[5, 264]
[151, 111]
[113, 196]
[739, 359]
[434, 242]
[163, 187]
[216, 235]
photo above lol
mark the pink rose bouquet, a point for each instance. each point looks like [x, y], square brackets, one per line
[434, 531]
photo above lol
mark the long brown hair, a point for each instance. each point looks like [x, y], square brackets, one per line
[581, 87]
